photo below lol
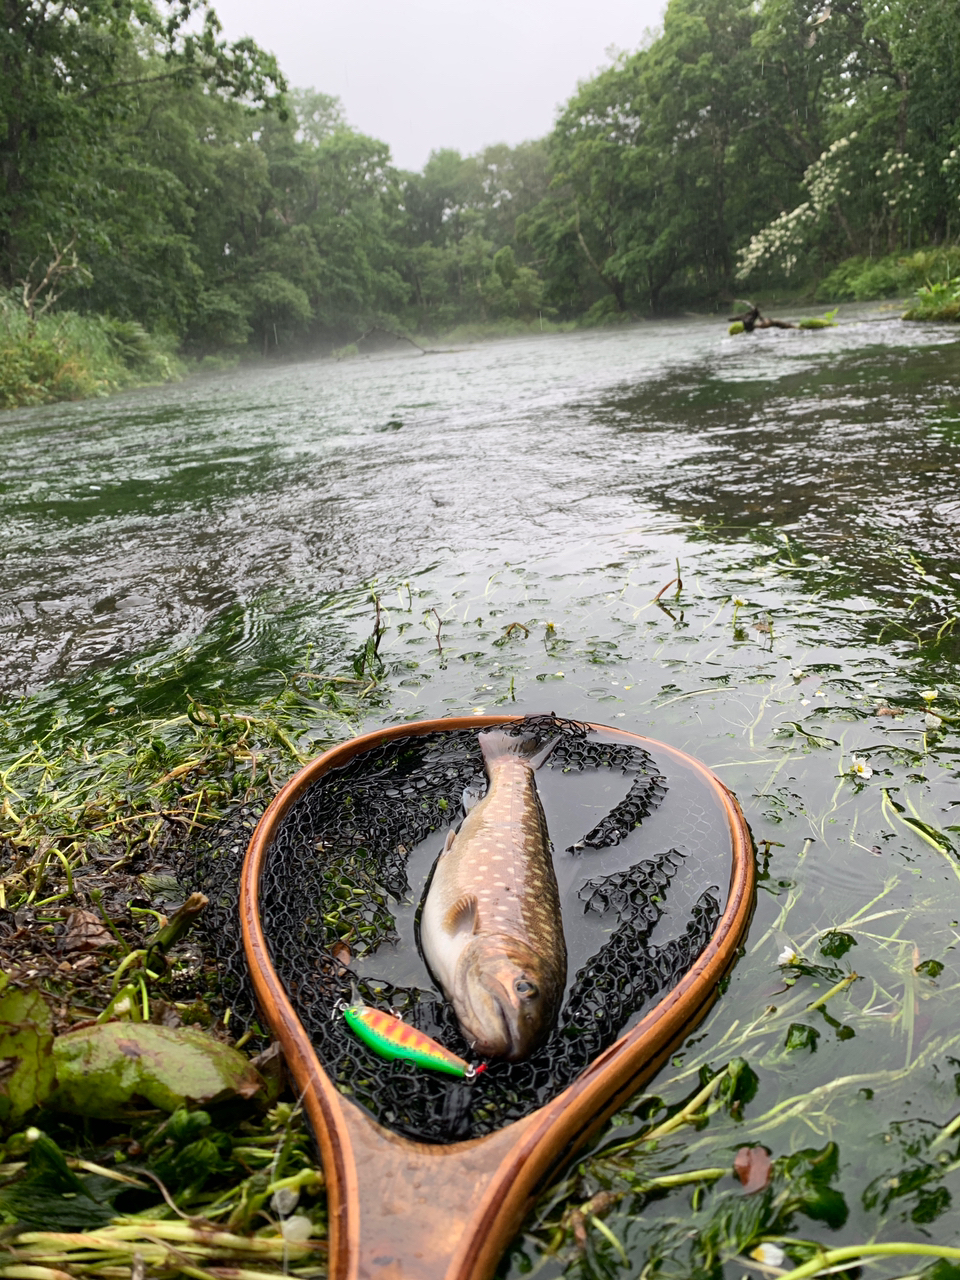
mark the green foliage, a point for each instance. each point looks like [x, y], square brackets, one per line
[800, 1036]
[937, 302]
[50, 1196]
[835, 944]
[879, 166]
[861, 278]
[26, 1040]
[65, 356]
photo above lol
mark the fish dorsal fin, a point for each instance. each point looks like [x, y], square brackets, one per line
[463, 915]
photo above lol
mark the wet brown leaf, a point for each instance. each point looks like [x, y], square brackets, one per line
[601, 1203]
[85, 932]
[753, 1167]
[578, 1226]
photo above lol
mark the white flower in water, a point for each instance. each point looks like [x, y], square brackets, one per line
[797, 673]
[738, 603]
[787, 956]
[558, 673]
[931, 721]
[297, 1229]
[769, 1254]
[860, 769]
[928, 695]
[284, 1200]
[478, 711]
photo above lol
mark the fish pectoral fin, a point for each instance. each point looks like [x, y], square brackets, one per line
[463, 915]
[448, 843]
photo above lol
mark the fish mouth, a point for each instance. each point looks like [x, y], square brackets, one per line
[492, 1034]
[512, 1050]
[509, 1043]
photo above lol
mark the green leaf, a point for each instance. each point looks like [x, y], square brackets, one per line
[836, 944]
[800, 1036]
[809, 1173]
[51, 1196]
[941, 1270]
[932, 835]
[26, 1064]
[104, 1070]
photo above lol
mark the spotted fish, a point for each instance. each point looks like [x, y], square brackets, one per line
[491, 929]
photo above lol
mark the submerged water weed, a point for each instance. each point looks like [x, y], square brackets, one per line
[843, 880]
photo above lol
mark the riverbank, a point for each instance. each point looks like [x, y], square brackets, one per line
[66, 356]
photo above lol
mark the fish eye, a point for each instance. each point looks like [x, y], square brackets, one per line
[524, 988]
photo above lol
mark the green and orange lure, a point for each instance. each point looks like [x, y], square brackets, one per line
[391, 1038]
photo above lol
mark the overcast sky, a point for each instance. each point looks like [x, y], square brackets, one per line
[426, 74]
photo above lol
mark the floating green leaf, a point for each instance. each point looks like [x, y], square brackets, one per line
[102, 1070]
[836, 944]
[809, 1173]
[800, 1036]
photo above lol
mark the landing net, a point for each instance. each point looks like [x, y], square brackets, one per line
[338, 869]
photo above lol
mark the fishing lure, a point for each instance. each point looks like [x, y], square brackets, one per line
[391, 1038]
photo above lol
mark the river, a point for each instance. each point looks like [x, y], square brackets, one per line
[806, 485]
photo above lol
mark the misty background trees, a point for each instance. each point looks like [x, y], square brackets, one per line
[744, 146]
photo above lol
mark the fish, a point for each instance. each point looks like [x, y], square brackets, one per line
[491, 929]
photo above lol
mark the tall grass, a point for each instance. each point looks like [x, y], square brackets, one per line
[66, 356]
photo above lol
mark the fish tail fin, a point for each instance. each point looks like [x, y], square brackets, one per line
[497, 743]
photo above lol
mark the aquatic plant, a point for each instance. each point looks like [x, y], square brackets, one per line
[936, 301]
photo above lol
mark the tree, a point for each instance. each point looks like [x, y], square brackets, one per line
[647, 161]
[69, 71]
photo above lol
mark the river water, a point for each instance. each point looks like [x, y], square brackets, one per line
[229, 530]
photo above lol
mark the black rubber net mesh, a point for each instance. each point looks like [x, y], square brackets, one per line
[338, 862]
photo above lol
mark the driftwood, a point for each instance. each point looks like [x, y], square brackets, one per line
[752, 319]
[392, 333]
[64, 263]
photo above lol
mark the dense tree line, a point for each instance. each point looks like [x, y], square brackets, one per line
[173, 178]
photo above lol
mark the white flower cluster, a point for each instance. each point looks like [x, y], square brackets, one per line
[778, 241]
[781, 240]
[951, 169]
[902, 177]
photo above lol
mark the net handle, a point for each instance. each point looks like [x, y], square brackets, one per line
[404, 1209]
